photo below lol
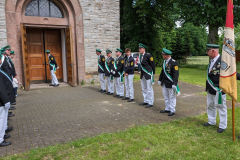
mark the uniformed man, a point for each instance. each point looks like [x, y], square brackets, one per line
[101, 70]
[168, 79]
[12, 54]
[119, 74]
[53, 68]
[7, 67]
[109, 76]
[147, 76]
[211, 84]
[129, 75]
[5, 95]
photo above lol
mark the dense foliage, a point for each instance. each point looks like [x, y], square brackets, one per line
[152, 22]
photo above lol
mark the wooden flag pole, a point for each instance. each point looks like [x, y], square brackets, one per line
[233, 119]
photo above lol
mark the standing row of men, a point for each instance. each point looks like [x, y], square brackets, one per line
[116, 69]
[7, 95]
[168, 79]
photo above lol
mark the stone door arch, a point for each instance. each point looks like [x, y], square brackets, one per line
[15, 15]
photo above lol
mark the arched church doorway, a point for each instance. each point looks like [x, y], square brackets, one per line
[47, 25]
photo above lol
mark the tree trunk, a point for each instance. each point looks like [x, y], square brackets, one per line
[213, 34]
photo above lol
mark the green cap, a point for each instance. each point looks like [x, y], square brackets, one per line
[211, 46]
[166, 51]
[1, 51]
[142, 46]
[119, 50]
[47, 51]
[98, 50]
[12, 53]
[5, 47]
[108, 51]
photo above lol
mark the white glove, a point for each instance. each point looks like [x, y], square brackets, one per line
[113, 72]
[159, 82]
[57, 67]
[174, 87]
[7, 105]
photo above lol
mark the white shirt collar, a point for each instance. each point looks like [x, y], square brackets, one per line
[168, 60]
[215, 59]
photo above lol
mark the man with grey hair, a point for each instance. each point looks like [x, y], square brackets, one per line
[212, 88]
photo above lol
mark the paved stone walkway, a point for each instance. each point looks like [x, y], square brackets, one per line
[57, 115]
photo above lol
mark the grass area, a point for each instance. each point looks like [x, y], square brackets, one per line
[198, 60]
[179, 139]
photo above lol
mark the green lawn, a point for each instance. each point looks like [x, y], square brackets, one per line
[179, 139]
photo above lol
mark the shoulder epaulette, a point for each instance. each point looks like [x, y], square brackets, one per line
[173, 60]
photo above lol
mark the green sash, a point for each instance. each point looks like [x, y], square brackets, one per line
[149, 73]
[170, 78]
[100, 65]
[121, 74]
[218, 97]
[108, 70]
[12, 62]
[5, 74]
[54, 68]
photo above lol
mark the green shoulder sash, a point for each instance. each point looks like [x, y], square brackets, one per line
[170, 78]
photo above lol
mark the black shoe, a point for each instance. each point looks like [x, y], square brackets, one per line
[148, 106]
[51, 85]
[171, 114]
[120, 96]
[9, 129]
[13, 103]
[100, 90]
[11, 115]
[220, 130]
[6, 136]
[116, 95]
[164, 111]
[9, 112]
[130, 100]
[12, 108]
[206, 124]
[125, 98]
[107, 93]
[142, 104]
[55, 85]
[103, 91]
[110, 94]
[4, 143]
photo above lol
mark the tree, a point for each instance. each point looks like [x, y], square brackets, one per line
[141, 21]
[188, 45]
[210, 13]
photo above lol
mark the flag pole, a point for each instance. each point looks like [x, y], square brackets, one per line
[233, 119]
